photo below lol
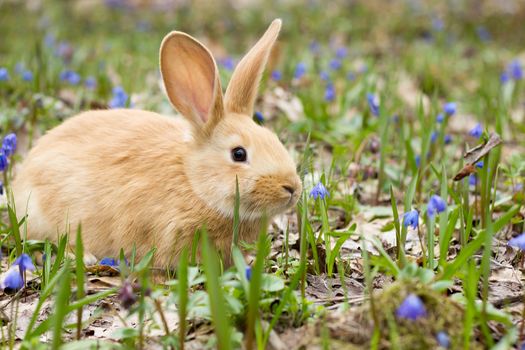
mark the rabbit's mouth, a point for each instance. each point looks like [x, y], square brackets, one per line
[274, 194]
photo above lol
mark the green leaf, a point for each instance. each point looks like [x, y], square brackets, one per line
[145, 262]
[125, 333]
[15, 230]
[271, 283]
[61, 306]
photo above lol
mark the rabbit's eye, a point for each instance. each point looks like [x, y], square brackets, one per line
[239, 154]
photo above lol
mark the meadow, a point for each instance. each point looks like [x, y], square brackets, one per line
[406, 120]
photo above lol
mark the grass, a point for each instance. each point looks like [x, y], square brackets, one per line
[376, 166]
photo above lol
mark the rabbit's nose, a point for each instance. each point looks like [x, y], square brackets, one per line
[290, 189]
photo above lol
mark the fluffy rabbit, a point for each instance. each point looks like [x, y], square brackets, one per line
[133, 177]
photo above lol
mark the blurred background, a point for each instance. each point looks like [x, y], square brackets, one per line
[78, 51]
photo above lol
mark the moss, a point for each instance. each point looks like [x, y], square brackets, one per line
[443, 314]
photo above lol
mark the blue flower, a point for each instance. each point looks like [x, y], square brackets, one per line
[324, 76]
[341, 52]
[450, 108]
[3, 161]
[518, 241]
[24, 262]
[90, 83]
[472, 179]
[411, 308]
[443, 339]
[411, 218]
[329, 94]
[259, 117]
[277, 75]
[13, 280]
[70, 76]
[335, 64]
[319, 191]
[27, 75]
[440, 118]
[433, 136]
[483, 33]
[504, 77]
[418, 160]
[120, 98]
[448, 139]
[373, 104]
[248, 273]
[437, 24]
[515, 70]
[436, 204]
[9, 144]
[300, 70]
[480, 164]
[315, 47]
[4, 74]
[476, 131]
[109, 262]
[49, 40]
[228, 63]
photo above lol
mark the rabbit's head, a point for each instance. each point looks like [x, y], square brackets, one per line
[225, 143]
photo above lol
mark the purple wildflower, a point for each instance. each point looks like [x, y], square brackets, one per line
[70, 77]
[518, 241]
[90, 83]
[259, 117]
[120, 98]
[450, 108]
[4, 74]
[329, 94]
[228, 63]
[9, 144]
[109, 262]
[436, 204]
[248, 273]
[476, 131]
[411, 219]
[319, 191]
[277, 75]
[443, 339]
[373, 104]
[335, 64]
[341, 52]
[13, 280]
[411, 308]
[24, 262]
[300, 70]
[472, 179]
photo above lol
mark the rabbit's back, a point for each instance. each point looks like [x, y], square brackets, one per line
[97, 168]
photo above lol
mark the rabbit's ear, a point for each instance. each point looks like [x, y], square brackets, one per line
[191, 78]
[242, 89]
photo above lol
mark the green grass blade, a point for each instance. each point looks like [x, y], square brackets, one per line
[255, 287]
[182, 276]
[15, 230]
[217, 303]
[80, 271]
[61, 306]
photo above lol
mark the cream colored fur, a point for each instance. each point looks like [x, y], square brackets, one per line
[133, 177]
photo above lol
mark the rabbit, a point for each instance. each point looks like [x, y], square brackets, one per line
[138, 178]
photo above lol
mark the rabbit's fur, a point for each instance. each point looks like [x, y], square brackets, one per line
[133, 177]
